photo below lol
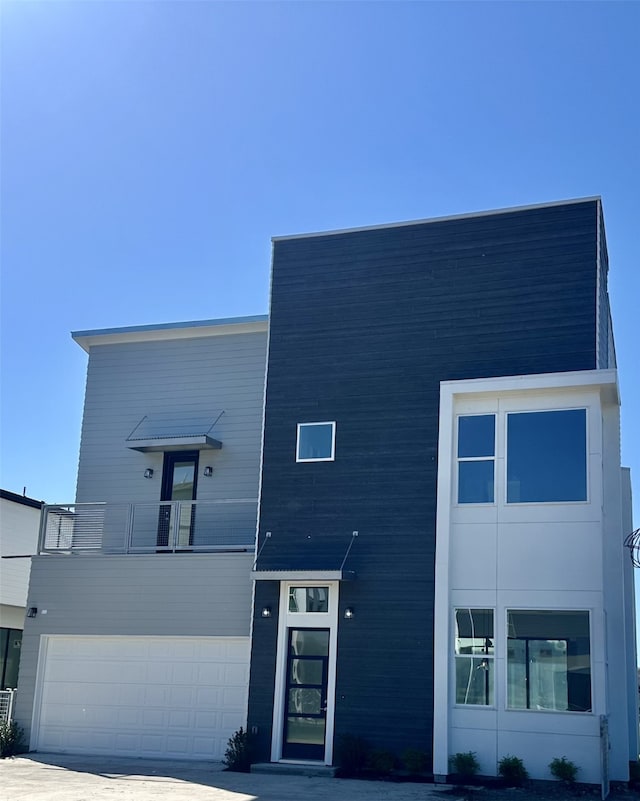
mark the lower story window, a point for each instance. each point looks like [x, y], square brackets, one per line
[474, 656]
[548, 660]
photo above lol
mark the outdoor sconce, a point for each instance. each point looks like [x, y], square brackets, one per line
[33, 611]
[348, 613]
[208, 471]
[266, 611]
[148, 473]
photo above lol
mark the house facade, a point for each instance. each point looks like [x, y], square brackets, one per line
[438, 563]
[19, 525]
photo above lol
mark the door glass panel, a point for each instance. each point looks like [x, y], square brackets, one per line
[306, 671]
[304, 701]
[306, 731]
[308, 599]
[309, 642]
[183, 475]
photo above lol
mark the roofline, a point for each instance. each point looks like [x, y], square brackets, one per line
[466, 216]
[164, 331]
[7, 495]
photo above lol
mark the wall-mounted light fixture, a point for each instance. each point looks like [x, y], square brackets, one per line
[266, 611]
[208, 471]
[148, 473]
[32, 611]
[349, 613]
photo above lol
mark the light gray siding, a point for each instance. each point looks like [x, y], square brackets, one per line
[160, 594]
[194, 377]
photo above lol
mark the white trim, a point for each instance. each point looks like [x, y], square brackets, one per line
[38, 690]
[330, 458]
[162, 333]
[311, 620]
[466, 216]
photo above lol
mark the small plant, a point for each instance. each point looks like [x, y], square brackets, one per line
[415, 761]
[11, 739]
[563, 769]
[352, 755]
[512, 770]
[238, 755]
[465, 764]
[381, 761]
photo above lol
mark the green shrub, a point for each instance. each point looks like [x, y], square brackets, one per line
[11, 739]
[415, 761]
[238, 755]
[381, 761]
[563, 769]
[352, 755]
[465, 764]
[512, 769]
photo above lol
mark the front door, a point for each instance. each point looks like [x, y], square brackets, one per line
[306, 694]
[179, 483]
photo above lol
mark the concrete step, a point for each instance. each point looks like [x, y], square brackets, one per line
[295, 768]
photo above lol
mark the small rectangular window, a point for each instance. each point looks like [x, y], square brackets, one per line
[316, 442]
[474, 651]
[308, 599]
[547, 456]
[548, 660]
[476, 458]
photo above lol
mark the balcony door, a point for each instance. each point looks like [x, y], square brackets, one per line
[179, 483]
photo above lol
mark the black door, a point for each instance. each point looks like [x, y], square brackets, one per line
[306, 694]
[179, 483]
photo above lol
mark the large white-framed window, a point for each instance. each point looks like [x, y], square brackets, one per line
[474, 649]
[476, 451]
[316, 442]
[546, 456]
[549, 660]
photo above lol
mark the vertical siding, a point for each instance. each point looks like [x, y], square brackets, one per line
[364, 325]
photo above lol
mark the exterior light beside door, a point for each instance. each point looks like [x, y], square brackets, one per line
[348, 613]
[33, 611]
[208, 471]
[148, 473]
[266, 611]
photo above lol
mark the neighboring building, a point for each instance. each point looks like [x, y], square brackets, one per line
[19, 525]
[439, 561]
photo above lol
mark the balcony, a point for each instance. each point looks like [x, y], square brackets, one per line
[164, 527]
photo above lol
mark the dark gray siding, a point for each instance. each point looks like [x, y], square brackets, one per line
[364, 325]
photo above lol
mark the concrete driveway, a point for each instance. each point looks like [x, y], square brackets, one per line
[58, 777]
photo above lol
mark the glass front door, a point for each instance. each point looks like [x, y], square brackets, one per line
[306, 694]
[179, 480]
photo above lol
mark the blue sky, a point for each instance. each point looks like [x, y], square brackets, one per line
[151, 149]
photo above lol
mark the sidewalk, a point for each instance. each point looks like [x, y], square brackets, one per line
[63, 777]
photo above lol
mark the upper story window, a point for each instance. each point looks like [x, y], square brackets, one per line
[476, 458]
[316, 442]
[547, 456]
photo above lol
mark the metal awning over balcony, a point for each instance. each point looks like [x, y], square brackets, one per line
[174, 432]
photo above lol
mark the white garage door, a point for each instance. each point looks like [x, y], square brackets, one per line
[171, 697]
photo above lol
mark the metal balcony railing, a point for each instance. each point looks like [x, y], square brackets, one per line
[167, 526]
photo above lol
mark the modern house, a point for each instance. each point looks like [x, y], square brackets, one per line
[19, 526]
[439, 559]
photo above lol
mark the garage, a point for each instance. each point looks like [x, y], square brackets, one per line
[164, 697]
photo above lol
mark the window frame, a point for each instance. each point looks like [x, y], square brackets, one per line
[543, 410]
[331, 457]
[472, 656]
[528, 709]
[460, 459]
